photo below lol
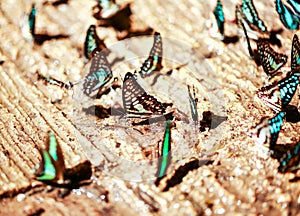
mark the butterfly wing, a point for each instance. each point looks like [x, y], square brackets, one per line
[286, 15]
[266, 132]
[99, 73]
[271, 61]
[153, 62]
[291, 160]
[278, 95]
[193, 104]
[92, 41]
[52, 166]
[295, 53]
[295, 5]
[251, 15]
[31, 20]
[219, 15]
[136, 100]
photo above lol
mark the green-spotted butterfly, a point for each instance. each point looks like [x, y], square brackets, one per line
[153, 62]
[136, 102]
[165, 154]
[270, 60]
[92, 41]
[279, 94]
[99, 73]
[291, 160]
[288, 18]
[266, 132]
[31, 20]
[52, 81]
[52, 166]
[295, 55]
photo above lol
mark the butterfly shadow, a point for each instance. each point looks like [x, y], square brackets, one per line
[56, 3]
[98, 111]
[273, 39]
[210, 120]
[231, 39]
[292, 114]
[41, 38]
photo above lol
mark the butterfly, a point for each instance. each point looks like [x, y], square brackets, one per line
[279, 94]
[99, 73]
[92, 41]
[291, 160]
[136, 101]
[270, 60]
[153, 62]
[193, 104]
[267, 130]
[219, 15]
[295, 5]
[295, 53]
[165, 154]
[288, 18]
[108, 8]
[251, 16]
[52, 166]
[52, 81]
[31, 20]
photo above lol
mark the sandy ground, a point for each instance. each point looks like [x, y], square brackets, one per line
[219, 171]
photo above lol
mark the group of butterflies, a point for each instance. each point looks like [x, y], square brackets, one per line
[278, 94]
[137, 102]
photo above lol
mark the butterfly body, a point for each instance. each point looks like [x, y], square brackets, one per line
[266, 132]
[99, 73]
[154, 62]
[137, 101]
[291, 160]
[288, 18]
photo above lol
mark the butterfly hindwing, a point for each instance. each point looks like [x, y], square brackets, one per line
[270, 60]
[251, 15]
[266, 132]
[137, 101]
[288, 18]
[295, 55]
[219, 15]
[279, 94]
[291, 160]
[99, 73]
[92, 41]
[153, 62]
[52, 166]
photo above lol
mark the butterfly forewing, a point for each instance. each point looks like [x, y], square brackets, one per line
[295, 5]
[219, 15]
[136, 100]
[153, 62]
[251, 15]
[295, 53]
[99, 73]
[288, 18]
[270, 60]
[31, 20]
[92, 41]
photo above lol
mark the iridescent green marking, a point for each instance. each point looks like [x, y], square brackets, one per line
[31, 20]
[49, 171]
[53, 146]
[165, 151]
[219, 15]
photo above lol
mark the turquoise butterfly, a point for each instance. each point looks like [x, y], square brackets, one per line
[279, 94]
[266, 132]
[31, 20]
[219, 15]
[288, 18]
[92, 41]
[295, 53]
